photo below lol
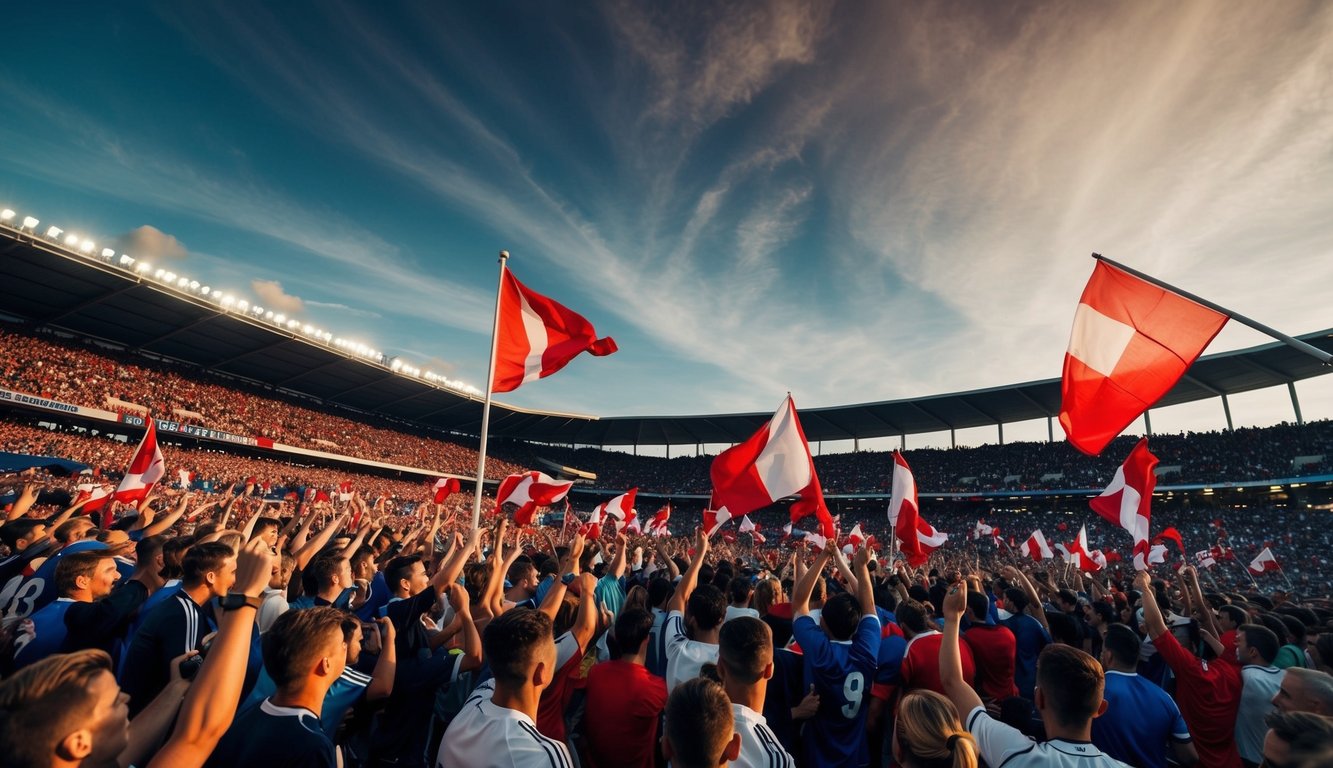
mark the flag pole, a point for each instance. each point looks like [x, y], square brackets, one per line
[486, 407]
[1309, 349]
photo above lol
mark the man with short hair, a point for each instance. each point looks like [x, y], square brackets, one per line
[699, 730]
[179, 624]
[1297, 739]
[1256, 647]
[81, 578]
[702, 611]
[499, 717]
[745, 665]
[624, 700]
[1305, 690]
[993, 649]
[739, 591]
[1068, 696]
[1141, 719]
[305, 653]
[921, 659]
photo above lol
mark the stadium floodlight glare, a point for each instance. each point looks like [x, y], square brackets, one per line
[143, 267]
[279, 318]
[183, 282]
[292, 324]
[108, 253]
[29, 223]
[269, 315]
[258, 310]
[71, 239]
[126, 259]
[194, 285]
[228, 300]
[243, 305]
[205, 290]
[54, 232]
[87, 246]
[168, 277]
[7, 214]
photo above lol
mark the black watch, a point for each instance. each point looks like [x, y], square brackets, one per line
[235, 600]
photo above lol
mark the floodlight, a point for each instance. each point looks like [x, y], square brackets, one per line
[87, 246]
[108, 253]
[258, 310]
[183, 282]
[279, 318]
[7, 214]
[126, 259]
[293, 323]
[54, 233]
[269, 315]
[159, 272]
[194, 285]
[205, 290]
[29, 223]
[72, 239]
[143, 267]
[168, 277]
[228, 300]
[243, 305]
[396, 364]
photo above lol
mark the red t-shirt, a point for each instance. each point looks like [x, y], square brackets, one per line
[621, 711]
[995, 649]
[1208, 694]
[921, 663]
[554, 700]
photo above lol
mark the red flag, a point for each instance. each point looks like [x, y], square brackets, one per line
[146, 468]
[749, 527]
[1036, 547]
[1089, 560]
[1264, 563]
[345, 491]
[658, 525]
[529, 491]
[715, 519]
[1127, 501]
[904, 511]
[445, 486]
[1171, 534]
[621, 509]
[928, 538]
[536, 337]
[773, 464]
[1131, 342]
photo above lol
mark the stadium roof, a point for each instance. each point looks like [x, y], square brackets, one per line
[48, 285]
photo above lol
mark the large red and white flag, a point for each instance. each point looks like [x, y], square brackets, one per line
[773, 464]
[1131, 342]
[855, 538]
[928, 539]
[536, 337]
[146, 468]
[620, 509]
[747, 526]
[658, 525]
[444, 487]
[529, 491]
[905, 513]
[1036, 547]
[1127, 501]
[1265, 562]
[94, 494]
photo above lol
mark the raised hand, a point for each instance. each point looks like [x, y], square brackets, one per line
[955, 601]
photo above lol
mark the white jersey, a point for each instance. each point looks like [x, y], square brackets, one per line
[735, 613]
[684, 656]
[485, 735]
[760, 748]
[1001, 744]
[1259, 686]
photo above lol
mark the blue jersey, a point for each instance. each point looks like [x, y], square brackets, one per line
[39, 589]
[1139, 721]
[379, 597]
[42, 633]
[1029, 638]
[842, 673]
[346, 692]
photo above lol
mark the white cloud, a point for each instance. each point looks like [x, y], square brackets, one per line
[151, 244]
[272, 296]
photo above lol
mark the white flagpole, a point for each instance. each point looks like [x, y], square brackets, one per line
[486, 408]
[1313, 351]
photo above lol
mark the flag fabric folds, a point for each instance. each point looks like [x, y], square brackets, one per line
[748, 526]
[620, 509]
[535, 336]
[1205, 559]
[916, 538]
[1036, 547]
[528, 491]
[1131, 342]
[658, 525]
[1264, 563]
[1171, 534]
[1088, 560]
[773, 464]
[1127, 501]
[715, 519]
[444, 487]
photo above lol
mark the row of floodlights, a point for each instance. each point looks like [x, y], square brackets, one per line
[228, 302]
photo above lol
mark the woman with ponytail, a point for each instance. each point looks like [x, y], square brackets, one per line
[929, 735]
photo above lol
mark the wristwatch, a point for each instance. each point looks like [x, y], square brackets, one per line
[567, 579]
[236, 600]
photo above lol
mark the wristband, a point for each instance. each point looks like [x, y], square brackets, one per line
[567, 579]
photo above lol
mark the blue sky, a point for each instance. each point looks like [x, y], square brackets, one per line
[850, 201]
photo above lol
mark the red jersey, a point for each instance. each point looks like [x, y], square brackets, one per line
[621, 711]
[921, 663]
[1208, 694]
[995, 649]
[554, 700]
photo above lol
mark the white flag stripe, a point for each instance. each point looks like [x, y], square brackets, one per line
[535, 329]
[783, 465]
[1097, 340]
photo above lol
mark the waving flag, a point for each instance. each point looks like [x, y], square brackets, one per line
[773, 464]
[345, 491]
[1127, 501]
[658, 525]
[528, 491]
[904, 511]
[535, 336]
[715, 519]
[1205, 559]
[1131, 342]
[1170, 534]
[444, 487]
[1036, 547]
[749, 527]
[1265, 562]
[146, 467]
[1088, 560]
[855, 538]
[928, 539]
[95, 495]
[620, 509]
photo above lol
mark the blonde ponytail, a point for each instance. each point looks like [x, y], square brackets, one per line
[930, 735]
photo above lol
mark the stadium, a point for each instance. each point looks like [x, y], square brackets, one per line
[268, 502]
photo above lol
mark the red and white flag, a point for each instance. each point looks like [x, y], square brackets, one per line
[345, 491]
[1127, 501]
[749, 527]
[1264, 563]
[1036, 547]
[714, 519]
[773, 464]
[529, 491]
[146, 468]
[1131, 342]
[982, 529]
[1088, 560]
[1156, 556]
[658, 525]
[1171, 534]
[95, 495]
[185, 477]
[928, 538]
[1205, 558]
[905, 512]
[536, 337]
[855, 538]
[620, 509]
[591, 530]
[444, 487]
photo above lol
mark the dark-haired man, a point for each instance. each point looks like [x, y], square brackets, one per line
[1068, 696]
[1256, 647]
[179, 624]
[624, 700]
[840, 655]
[993, 648]
[499, 717]
[699, 732]
[1141, 719]
[745, 665]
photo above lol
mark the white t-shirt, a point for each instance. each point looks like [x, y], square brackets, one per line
[734, 613]
[684, 656]
[485, 735]
[760, 748]
[1001, 744]
[1258, 687]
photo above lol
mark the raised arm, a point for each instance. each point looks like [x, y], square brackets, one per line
[569, 564]
[307, 553]
[664, 557]
[381, 678]
[1152, 613]
[585, 623]
[472, 653]
[1034, 609]
[951, 661]
[805, 586]
[164, 523]
[618, 563]
[687, 582]
[865, 590]
[1203, 611]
